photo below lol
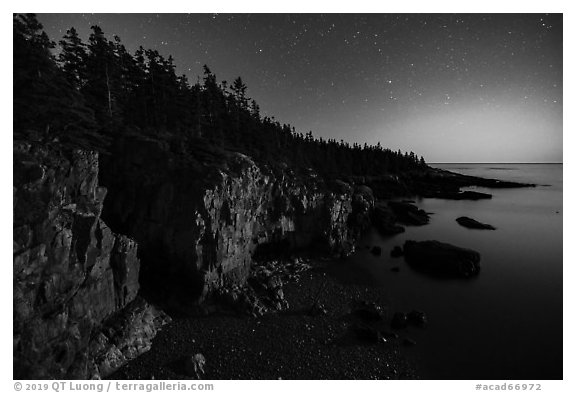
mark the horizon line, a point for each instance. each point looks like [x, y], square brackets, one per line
[551, 163]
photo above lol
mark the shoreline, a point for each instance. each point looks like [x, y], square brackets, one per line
[289, 344]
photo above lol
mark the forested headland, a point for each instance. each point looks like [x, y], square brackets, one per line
[86, 94]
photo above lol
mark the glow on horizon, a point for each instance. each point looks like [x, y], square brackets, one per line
[508, 133]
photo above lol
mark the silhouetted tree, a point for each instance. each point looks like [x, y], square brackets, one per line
[142, 92]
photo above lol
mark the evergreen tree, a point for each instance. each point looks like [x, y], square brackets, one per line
[73, 58]
[45, 102]
[143, 93]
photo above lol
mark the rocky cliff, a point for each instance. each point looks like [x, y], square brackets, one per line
[72, 274]
[200, 217]
[196, 219]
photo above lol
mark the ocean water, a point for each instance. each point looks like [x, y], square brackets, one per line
[507, 322]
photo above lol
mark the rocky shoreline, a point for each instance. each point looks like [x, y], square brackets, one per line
[204, 239]
[294, 343]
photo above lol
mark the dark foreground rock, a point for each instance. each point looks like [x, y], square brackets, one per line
[436, 180]
[194, 366]
[72, 274]
[473, 224]
[291, 344]
[408, 213]
[201, 217]
[444, 259]
[384, 219]
[458, 195]
[124, 337]
[396, 252]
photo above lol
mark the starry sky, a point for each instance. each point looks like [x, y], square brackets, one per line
[450, 87]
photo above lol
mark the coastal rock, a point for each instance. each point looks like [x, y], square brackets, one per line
[125, 336]
[458, 195]
[263, 292]
[435, 257]
[201, 218]
[408, 213]
[384, 220]
[71, 272]
[438, 183]
[194, 366]
[396, 252]
[473, 224]
[362, 205]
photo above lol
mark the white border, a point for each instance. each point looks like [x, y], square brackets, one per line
[303, 6]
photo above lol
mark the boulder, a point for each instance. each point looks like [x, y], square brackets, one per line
[396, 252]
[194, 365]
[408, 213]
[444, 259]
[362, 204]
[473, 224]
[125, 336]
[384, 220]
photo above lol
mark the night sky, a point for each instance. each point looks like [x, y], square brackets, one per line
[454, 88]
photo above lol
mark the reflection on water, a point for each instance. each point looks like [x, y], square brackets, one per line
[506, 323]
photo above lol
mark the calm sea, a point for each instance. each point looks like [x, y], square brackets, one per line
[507, 322]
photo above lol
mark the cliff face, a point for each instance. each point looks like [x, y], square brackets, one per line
[202, 218]
[71, 272]
[197, 219]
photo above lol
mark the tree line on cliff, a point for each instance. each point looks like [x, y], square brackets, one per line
[88, 93]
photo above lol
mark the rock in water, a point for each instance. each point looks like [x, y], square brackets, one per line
[460, 195]
[194, 366]
[384, 220]
[473, 224]
[396, 252]
[442, 258]
[474, 195]
[408, 213]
